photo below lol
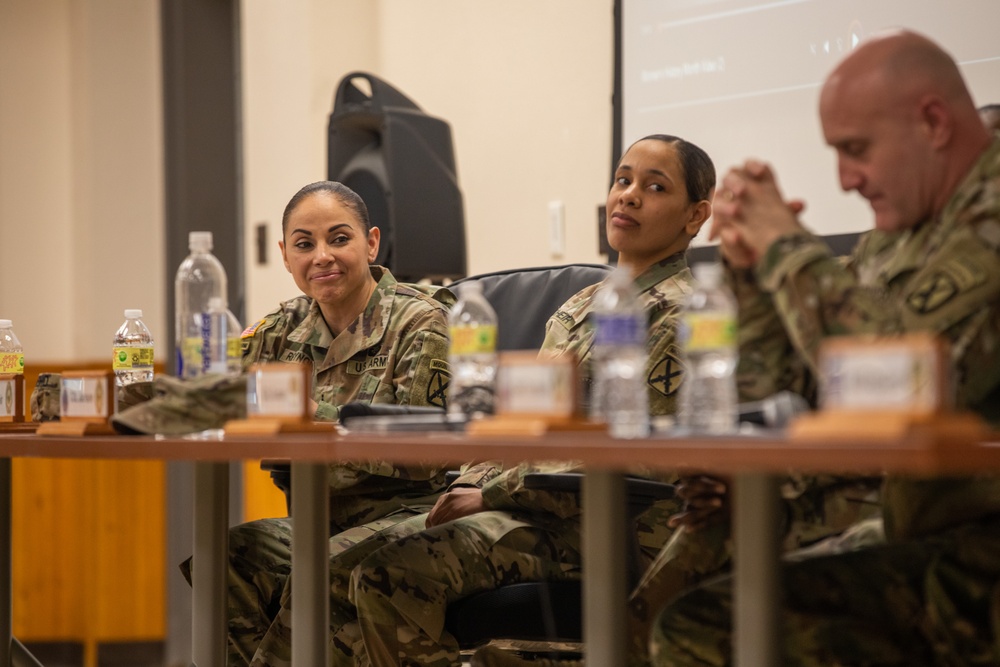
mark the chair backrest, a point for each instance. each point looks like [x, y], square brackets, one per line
[525, 299]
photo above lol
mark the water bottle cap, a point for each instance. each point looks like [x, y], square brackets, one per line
[133, 313]
[200, 241]
[6, 324]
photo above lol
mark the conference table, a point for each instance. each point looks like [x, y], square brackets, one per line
[755, 462]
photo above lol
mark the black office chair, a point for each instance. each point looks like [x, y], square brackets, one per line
[525, 299]
[545, 611]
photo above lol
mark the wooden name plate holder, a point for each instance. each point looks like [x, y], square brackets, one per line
[12, 405]
[535, 395]
[86, 404]
[887, 388]
[277, 402]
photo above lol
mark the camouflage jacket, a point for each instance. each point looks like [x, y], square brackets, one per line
[662, 288]
[395, 352]
[942, 276]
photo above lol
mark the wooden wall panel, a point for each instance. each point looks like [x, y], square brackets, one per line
[89, 546]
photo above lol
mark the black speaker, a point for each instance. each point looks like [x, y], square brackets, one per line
[402, 163]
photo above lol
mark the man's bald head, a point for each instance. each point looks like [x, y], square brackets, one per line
[907, 64]
[904, 126]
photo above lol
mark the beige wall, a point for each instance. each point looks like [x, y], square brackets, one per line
[81, 177]
[525, 85]
[294, 53]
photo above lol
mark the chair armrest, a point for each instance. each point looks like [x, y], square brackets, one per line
[269, 465]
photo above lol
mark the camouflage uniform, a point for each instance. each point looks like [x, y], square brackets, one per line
[662, 288]
[937, 592]
[816, 507]
[395, 352]
[403, 589]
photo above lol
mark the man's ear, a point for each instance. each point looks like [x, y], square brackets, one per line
[936, 120]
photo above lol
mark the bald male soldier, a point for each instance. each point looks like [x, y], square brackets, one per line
[908, 139]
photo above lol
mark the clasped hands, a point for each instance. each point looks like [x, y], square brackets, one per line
[749, 214]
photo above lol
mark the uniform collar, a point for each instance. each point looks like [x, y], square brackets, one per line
[364, 332]
[660, 271]
[578, 308]
[908, 249]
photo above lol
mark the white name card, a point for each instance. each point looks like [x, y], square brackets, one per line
[86, 396]
[529, 385]
[278, 391]
[903, 374]
[11, 397]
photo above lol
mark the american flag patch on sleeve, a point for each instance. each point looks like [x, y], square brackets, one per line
[248, 332]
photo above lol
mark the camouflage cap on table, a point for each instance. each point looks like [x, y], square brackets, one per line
[45, 398]
[186, 406]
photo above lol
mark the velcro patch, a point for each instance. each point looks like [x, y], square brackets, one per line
[294, 357]
[667, 375]
[564, 318]
[437, 387]
[944, 284]
[248, 332]
[379, 362]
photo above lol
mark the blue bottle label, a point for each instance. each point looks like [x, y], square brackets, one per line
[206, 341]
[623, 329]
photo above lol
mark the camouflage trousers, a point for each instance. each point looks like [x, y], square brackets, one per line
[929, 601]
[260, 561]
[259, 586]
[402, 590]
[847, 516]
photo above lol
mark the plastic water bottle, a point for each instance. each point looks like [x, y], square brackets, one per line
[707, 335]
[11, 352]
[199, 278]
[222, 339]
[619, 395]
[132, 351]
[472, 355]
